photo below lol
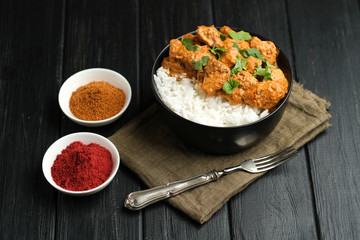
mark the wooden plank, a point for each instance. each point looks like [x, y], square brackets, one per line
[276, 206]
[101, 34]
[31, 50]
[159, 23]
[327, 57]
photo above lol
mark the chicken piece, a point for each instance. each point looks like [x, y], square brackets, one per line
[229, 58]
[176, 61]
[209, 36]
[225, 30]
[175, 66]
[279, 76]
[247, 81]
[266, 95]
[251, 64]
[241, 44]
[179, 51]
[213, 76]
[267, 49]
[193, 38]
[179, 55]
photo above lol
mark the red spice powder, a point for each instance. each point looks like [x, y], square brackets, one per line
[82, 167]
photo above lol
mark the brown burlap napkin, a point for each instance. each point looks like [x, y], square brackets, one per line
[158, 157]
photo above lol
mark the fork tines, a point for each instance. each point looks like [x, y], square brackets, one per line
[275, 159]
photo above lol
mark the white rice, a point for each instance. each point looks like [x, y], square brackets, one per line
[188, 100]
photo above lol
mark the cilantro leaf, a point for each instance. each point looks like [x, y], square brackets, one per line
[239, 66]
[217, 51]
[264, 72]
[222, 36]
[201, 63]
[188, 43]
[268, 64]
[230, 85]
[252, 52]
[249, 52]
[235, 45]
[240, 35]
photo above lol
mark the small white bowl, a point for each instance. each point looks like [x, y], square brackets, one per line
[85, 138]
[91, 75]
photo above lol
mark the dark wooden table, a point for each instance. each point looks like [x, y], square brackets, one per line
[42, 43]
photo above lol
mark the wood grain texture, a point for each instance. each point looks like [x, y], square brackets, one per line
[101, 34]
[276, 206]
[327, 53]
[28, 116]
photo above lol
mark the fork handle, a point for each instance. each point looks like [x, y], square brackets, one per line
[140, 199]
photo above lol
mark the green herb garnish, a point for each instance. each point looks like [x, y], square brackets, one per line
[268, 64]
[230, 85]
[217, 51]
[235, 45]
[264, 72]
[201, 63]
[222, 36]
[188, 43]
[253, 52]
[238, 36]
[239, 65]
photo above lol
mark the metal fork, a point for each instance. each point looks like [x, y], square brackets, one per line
[140, 199]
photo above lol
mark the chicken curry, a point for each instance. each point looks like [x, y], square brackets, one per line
[240, 67]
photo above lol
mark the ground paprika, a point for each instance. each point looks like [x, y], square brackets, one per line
[82, 167]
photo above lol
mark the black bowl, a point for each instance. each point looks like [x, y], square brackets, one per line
[222, 140]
